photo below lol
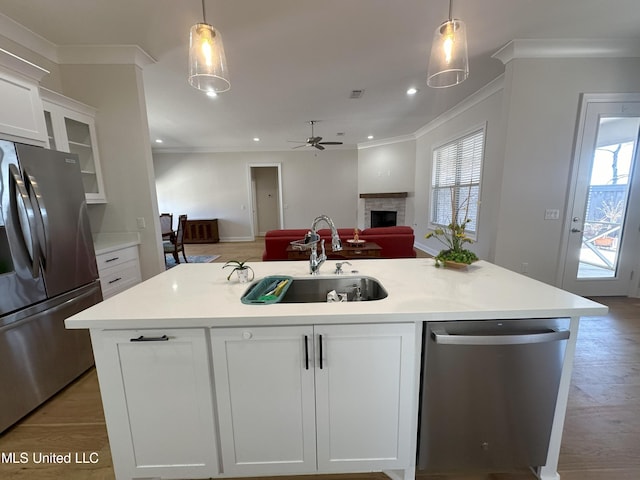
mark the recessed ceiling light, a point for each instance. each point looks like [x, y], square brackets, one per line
[212, 94]
[370, 137]
[158, 140]
[256, 139]
[412, 91]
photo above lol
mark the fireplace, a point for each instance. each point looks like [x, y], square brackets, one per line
[383, 218]
[386, 205]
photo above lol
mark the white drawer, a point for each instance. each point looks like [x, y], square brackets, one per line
[115, 280]
[116, 257]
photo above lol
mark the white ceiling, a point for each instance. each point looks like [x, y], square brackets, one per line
[292, 61]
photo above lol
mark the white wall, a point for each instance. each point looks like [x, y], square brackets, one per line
[387, 168]
[479, 111]
[125, 153]
[540, 120]
[216, 185]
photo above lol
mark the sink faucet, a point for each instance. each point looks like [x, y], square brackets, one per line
[315, 260]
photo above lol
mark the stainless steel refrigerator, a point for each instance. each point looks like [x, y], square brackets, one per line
[48, 272]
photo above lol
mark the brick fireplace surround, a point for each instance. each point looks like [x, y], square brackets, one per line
[387, 202]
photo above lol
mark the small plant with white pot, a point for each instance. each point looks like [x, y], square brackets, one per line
[242, 270]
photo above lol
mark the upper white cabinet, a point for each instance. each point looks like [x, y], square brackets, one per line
[70, 127]
[324, 398]
[21, 113]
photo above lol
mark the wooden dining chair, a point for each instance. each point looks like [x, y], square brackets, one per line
[176, 245]
[166, 224]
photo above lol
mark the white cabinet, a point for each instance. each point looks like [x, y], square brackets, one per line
[265, 397]
[156, 390]
[71, 128]
[21, 113]
[330, 398]
[118, 269]
[365, 396]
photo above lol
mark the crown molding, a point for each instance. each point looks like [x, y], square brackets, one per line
[73, 54]
[387, 141]
[21, 35]
[22, 66]
[171, 150]
[568, 48]
[103, 55]
[475, 98]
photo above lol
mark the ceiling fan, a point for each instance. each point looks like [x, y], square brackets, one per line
[314, 141]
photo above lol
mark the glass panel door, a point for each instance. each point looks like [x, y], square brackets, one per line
[607, 197]
[603, 231]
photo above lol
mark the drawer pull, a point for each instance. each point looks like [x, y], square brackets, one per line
[142, 338]
[111, 259]
[115, 280]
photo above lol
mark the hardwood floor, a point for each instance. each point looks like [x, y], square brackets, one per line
[602, 429]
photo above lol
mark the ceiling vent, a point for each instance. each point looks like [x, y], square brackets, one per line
[356, 93]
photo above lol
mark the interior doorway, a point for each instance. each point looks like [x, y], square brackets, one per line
[266, 198]
[604, 215]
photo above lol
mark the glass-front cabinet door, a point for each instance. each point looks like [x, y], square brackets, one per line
[71, 128]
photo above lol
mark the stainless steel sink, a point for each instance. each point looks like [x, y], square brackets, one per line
[315, 290]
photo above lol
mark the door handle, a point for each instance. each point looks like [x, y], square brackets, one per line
[41, 210]
[142, 338]
[442, 337]
[18, 188]
[575, 230]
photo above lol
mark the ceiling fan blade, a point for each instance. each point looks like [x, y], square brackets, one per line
[300, 146]
[318, 146]
[330, 143]
[297, 141]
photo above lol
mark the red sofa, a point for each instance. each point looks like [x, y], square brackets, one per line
[396, 242]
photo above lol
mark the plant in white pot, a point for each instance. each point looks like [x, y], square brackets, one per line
[241, 268]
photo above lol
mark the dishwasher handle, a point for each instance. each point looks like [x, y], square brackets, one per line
[442, 337]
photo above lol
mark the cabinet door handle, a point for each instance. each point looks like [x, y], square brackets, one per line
[320, 345]
[113, 259]
[142, 338]
[115, 280]
[306, 352]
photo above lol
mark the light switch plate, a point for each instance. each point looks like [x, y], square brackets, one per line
[551, 214]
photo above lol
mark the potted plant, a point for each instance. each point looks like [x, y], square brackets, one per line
[453, 236]
[242, 270]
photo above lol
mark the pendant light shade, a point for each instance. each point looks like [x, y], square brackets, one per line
[207, 62]
[449, 62]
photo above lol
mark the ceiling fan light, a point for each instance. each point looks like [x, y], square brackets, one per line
[207, 61]
[449, 62]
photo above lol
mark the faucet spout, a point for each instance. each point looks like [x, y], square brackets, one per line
[315, 260]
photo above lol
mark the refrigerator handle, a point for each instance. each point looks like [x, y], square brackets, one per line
[17, 187]
[40, 211]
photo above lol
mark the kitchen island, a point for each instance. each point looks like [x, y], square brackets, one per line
[196, 384]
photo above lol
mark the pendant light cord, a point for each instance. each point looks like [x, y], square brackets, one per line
[450, 9]
[204, 15]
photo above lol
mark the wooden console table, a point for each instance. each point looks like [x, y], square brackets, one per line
[201, 231]
[348, 252]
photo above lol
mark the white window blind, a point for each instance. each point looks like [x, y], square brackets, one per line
[456, 172]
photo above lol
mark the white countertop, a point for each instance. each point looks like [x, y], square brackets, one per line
[198, 295]
[108, 242]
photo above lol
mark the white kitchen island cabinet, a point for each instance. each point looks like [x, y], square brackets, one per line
[315, 399]
[158, 402]
[356, 412]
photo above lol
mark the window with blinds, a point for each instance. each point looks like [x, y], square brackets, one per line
[455, 185]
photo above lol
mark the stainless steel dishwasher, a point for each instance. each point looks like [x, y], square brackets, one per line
[489, 392]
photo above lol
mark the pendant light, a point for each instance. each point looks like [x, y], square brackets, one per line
[207, 62]
[449, 62]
